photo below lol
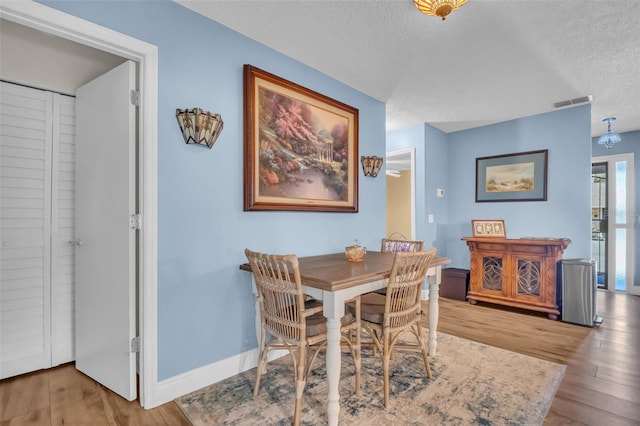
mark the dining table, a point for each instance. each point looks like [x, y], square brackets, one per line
[333, 279]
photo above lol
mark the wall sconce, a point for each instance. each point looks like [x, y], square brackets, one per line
[198, 126]
[371, 165]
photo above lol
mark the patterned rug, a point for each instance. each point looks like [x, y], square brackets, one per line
[471, 383]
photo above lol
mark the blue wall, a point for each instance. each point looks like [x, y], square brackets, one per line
[449, 163]
[430, 145]
[205, 304]
[630, 143]
[566, 213]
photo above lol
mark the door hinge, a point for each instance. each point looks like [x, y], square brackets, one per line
[135, 221]
[135, 344]
[135, 98]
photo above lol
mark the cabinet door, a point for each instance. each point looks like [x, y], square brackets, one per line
[493, 269]
[528, 283]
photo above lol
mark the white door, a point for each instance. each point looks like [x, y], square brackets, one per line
[106, 250]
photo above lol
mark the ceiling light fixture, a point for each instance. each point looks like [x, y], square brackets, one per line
[609, 138]
[439, 8]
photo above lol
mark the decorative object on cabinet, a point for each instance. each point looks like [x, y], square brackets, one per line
[520, 176]
[371, 165]
[516, 272]
[440, 8]
[300, 147]
[198, 126]
[488, 228]
[609, 138]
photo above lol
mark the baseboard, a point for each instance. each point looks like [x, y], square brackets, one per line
[182, 384]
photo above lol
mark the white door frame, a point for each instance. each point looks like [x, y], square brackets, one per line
[52, 21]
[412, 153]
[612, 225]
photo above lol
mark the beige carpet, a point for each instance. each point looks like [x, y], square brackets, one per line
[472, 383]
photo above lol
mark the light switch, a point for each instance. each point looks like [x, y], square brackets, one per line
[430, 218]
[440, 192]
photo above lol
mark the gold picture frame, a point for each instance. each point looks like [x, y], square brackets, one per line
[488, 228]
[300, 147]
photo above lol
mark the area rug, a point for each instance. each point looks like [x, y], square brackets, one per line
[471, 383]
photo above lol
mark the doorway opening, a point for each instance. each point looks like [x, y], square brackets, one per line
[612, 225]
[68, 27]
[400, 174]
[599, 226]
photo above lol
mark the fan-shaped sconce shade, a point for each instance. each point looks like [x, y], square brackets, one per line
[371, 165]
[198, 126]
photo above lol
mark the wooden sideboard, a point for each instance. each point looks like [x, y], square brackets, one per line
[516, 272]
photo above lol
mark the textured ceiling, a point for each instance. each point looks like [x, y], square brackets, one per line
[490, 61]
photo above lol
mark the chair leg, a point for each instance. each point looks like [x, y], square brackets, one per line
[386, 357]
[357, 356]
[423, 346]
[262, 361]
[357, 360]
[300, 383]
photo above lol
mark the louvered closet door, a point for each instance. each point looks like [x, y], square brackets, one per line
[28, 290]
[62, 231]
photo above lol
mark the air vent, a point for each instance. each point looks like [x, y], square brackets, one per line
[575, 101]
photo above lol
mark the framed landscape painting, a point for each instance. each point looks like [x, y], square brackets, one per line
[513, 177]
[300, 147]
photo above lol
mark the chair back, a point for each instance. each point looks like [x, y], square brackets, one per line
[397, 242]
[408, 272]
[279, 286]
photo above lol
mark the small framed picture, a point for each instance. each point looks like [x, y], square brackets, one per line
[488, 228]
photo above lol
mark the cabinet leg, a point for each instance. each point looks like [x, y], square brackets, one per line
[553, 316]
[472, 301]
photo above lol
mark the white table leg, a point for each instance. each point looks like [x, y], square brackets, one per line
[333, 310]
[258, 318]
[333, 370]
[434, 311]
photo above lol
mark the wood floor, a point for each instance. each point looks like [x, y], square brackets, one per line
[601, 385]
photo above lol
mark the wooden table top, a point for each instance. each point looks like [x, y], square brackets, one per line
[334, 272]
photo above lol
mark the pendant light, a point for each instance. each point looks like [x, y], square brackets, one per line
[609, 138]
[439, 8]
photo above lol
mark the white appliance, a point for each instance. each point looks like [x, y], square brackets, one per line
[579, 286]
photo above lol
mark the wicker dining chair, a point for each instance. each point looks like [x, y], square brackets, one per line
[397, 242]
[292, 322]
[386, 318]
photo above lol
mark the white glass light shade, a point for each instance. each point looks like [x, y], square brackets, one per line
[609, 138]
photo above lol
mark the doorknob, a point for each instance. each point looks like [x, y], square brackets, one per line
[75, 243]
